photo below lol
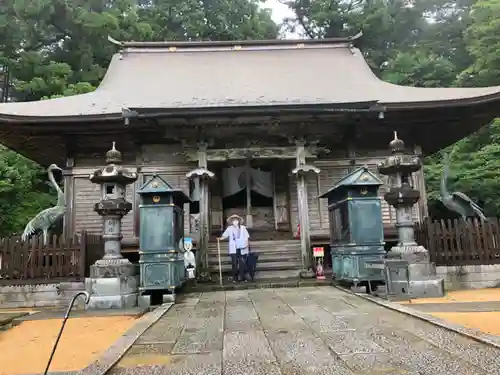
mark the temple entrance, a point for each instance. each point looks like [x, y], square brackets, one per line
[264, 206]
[248, 191]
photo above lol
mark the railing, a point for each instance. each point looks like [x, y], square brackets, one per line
[457, 242]
[61, 258]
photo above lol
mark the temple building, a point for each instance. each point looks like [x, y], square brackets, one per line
[255, 128]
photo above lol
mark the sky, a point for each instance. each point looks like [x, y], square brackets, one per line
[279, 10]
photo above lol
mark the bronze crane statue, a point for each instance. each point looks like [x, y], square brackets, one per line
[48, 217]
[458, 202]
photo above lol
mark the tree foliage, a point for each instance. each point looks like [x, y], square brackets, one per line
[23, 192]
[51, 48]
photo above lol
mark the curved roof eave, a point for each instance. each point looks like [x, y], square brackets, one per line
[151, 112]
[481, 96]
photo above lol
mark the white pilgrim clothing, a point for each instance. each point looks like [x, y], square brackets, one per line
[232, 232]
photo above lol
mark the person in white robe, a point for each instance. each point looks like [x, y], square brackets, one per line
[238, 237]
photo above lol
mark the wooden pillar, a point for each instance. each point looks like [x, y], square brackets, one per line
[301, 170]
[204, 208]
[351, 155]
[203, 175]
[419, 181]
[248, 184]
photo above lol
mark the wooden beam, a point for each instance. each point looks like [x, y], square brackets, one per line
[252, 153]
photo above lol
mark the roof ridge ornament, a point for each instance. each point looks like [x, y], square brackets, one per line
[357, 36]
[353, 38]
[114, 41]
[113, 156]
[396, 145]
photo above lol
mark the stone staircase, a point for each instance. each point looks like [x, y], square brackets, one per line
[278, 259]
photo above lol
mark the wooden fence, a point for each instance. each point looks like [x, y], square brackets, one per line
[61, 258]
[457, 242]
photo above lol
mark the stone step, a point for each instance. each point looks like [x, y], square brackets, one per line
[279, 243]
[284, 282]
[262, 274]
[264, 252]
[280, 265]
[260, 249]
[263, 258]
[277, 259]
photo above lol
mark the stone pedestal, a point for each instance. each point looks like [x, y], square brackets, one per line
[112, 285]
[423, 281]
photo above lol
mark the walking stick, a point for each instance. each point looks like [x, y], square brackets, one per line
[66, 316]
[220, 266]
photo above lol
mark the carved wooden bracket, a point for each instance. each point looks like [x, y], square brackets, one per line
[305, 169]
[200, 172]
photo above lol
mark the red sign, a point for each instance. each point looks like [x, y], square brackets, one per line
[319, 252]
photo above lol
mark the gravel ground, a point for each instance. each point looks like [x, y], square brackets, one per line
[25, 348]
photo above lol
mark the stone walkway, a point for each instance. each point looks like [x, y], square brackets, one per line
[318, 330]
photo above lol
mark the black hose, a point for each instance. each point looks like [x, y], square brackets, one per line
[66, 316]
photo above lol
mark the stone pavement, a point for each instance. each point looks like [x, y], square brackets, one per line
[317, 330]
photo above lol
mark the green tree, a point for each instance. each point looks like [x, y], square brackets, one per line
[388, 27]
[475, 170]
[59, 47]
[474, 160]
[421, 69]
[23, 191]
[483, 44]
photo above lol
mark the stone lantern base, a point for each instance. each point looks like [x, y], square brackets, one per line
[113, 284]
[423, 282]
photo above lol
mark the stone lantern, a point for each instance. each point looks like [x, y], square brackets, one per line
[402, 195]
[113, 279]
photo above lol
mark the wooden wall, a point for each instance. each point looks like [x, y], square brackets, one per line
[164, 160]
[86, 194]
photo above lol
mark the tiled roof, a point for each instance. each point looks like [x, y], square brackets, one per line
[175, 76]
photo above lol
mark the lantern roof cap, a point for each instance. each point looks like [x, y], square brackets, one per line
[359, 177]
